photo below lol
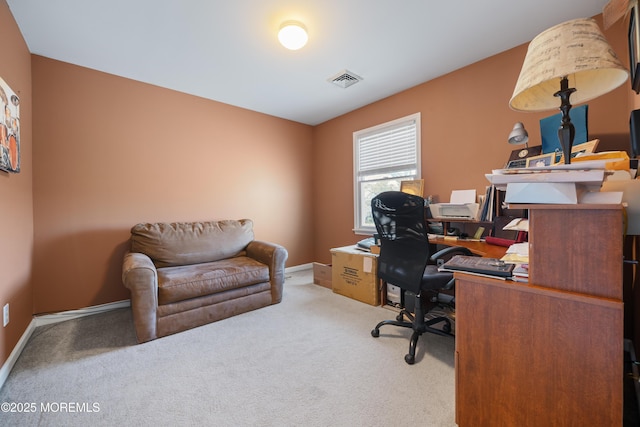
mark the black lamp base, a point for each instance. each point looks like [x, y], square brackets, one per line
[566, 132]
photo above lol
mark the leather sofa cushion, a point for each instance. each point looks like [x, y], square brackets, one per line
[192, 281]
[183, 243]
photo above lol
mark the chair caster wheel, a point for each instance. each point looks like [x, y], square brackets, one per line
[447, 328]
[400, 317]
[409, 359]
[375, 333]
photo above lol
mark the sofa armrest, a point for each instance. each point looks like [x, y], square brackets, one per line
[275, 257]
[139, 275]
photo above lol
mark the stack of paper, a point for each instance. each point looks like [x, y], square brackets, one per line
[550, 174]
[560, 184]
[517, 253]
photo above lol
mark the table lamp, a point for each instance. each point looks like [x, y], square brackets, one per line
[519, 135]
[569, 58]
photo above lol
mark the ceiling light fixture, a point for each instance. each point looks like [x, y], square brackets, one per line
[293, 35]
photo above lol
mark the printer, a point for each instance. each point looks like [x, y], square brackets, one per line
[462, 205]
[467, 211]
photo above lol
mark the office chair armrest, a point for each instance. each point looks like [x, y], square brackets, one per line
[450, 251]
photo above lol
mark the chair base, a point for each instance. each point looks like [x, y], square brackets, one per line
[419, 326]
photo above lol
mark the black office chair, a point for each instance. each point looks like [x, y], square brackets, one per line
[405, 261]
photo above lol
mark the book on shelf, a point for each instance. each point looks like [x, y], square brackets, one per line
[491, 206]
[485, 203]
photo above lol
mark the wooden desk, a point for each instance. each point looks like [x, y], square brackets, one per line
[549, 352]
[483, 249]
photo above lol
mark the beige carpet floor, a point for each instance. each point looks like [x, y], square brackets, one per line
[308, 361]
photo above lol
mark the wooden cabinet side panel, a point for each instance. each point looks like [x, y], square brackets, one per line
[578, 250]
[528, 356]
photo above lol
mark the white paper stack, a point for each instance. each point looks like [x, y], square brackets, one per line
[502, 177]
[558, 184]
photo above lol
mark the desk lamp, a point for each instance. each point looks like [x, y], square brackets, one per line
[569, 58]
[519, 135]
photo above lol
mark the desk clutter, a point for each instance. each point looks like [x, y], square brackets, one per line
[514, 265]
[591, 178]
[506, 232]
[353, 270]
[462, 207]
[579, 182]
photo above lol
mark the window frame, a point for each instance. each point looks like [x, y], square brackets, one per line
[389, 173]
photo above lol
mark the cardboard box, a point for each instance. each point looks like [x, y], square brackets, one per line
[322, 274]
[354, 274]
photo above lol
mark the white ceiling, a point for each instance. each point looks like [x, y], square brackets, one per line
[227, 50]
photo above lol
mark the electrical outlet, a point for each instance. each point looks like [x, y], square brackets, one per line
[5, 315]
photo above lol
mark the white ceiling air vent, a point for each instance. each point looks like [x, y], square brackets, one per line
[344, 79]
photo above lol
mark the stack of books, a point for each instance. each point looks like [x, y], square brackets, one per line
[520, 273]
[491, 204]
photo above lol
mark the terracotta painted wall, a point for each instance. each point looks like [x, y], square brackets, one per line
[465, 123]
[16, 198]
[111, 152]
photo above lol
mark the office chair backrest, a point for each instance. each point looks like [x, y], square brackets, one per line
[404, 250]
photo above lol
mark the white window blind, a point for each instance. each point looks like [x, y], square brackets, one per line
[384, 156]
[391, 149]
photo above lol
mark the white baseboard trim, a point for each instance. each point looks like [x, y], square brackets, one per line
[300, 267]
[17, 350]
[47, 319]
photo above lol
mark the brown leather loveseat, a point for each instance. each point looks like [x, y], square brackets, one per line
[183, 275]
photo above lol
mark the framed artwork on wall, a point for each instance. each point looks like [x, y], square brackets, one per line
[9, 129]
[634, 49]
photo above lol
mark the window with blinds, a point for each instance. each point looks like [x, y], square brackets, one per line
[384, 155]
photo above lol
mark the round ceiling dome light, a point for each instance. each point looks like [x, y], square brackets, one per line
[293, 35]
